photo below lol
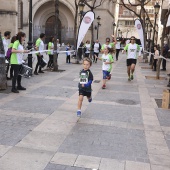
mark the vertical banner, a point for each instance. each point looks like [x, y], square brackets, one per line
[139, 28]
[168, 21]
[86, 22]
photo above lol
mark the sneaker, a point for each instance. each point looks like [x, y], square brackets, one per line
[21, 88]
[131, 77]
[90, 100]
[78, 113]
[104, 86]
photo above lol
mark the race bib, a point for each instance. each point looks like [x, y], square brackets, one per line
[83, 78]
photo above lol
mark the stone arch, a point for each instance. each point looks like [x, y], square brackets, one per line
[45, 11]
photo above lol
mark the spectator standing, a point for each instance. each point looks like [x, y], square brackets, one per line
[68, 53]
[96, 47]
[165, 54]
[50, 53]
[6, 42]
[39, 47]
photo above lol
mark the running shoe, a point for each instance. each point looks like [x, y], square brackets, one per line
[104, 86]
[78, 113]
[131, 77]
[90, 100]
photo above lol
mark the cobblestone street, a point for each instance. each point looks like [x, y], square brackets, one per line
[122, 129]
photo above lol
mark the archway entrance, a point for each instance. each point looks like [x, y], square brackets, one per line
[50, 28]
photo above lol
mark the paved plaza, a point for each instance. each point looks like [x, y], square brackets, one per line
[122, 129]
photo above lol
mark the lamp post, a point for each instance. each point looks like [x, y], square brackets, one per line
[156, 7]
[98, 25]
[114, 25]
[149, 36]
[127, 33]
[81, 12]
[30, 34]
[81, 9]
[118, 33]
[146, 28]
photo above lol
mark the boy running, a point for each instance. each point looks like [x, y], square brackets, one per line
[131, 50]
[86, 78]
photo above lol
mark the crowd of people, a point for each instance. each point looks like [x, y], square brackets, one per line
[14, 51]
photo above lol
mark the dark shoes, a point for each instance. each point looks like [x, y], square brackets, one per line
[163, 69]
[21, 88]
[35, 73]
[14, 91]
[41, 72]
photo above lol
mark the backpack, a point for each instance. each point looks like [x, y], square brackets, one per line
[9, 52]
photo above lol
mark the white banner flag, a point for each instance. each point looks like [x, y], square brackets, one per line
[168, 22]
[139, 28]
[84, 26]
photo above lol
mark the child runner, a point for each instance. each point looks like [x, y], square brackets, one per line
[107, 65]
[86, 78]
[132, 48]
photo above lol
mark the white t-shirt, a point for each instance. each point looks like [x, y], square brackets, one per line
[41, 47]
[106, 58]
[132, 50]
[96, 47]
[6, 43]
[52, 46]
[87, 48]
[118, 45]
[20, 55]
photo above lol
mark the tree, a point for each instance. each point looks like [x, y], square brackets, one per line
[55, 59]
[3, 81]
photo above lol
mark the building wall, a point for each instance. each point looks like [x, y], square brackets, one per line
[43, 9]
[8, 16]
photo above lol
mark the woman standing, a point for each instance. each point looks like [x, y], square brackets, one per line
[16, 61]
[51, 53]
[156, 56]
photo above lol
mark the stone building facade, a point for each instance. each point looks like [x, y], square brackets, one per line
[14, 17]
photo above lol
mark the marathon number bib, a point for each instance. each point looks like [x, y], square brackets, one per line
[83, 78]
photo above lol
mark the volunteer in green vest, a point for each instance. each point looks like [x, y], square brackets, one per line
[51, 53]
[39, 47]
[16, 61]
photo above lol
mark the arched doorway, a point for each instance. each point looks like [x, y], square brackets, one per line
[50, 28]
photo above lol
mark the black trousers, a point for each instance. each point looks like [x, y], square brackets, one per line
[163, 64]
[39, 61]
[155, 64]
[68, 59]
[16, 76]
[50, 62]
[94, 58]
[87, 55]
[117, 53]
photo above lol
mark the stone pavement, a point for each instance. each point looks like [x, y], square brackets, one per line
[122, 129]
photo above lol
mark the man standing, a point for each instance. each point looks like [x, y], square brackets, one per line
[131, 49]
[117, 48]
[96, 47]
[39, 47]
[165, 54]
[6, 42]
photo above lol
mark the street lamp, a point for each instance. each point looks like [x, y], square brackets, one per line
[30, 34]
[114, 25]
[156, 7]
[98, 25]
[127, 32]
[81, 8]
[118, 32]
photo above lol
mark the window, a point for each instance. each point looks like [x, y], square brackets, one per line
[20, 14]
[127, 23]
[127, 13]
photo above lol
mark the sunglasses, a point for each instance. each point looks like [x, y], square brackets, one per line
[132, 39]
